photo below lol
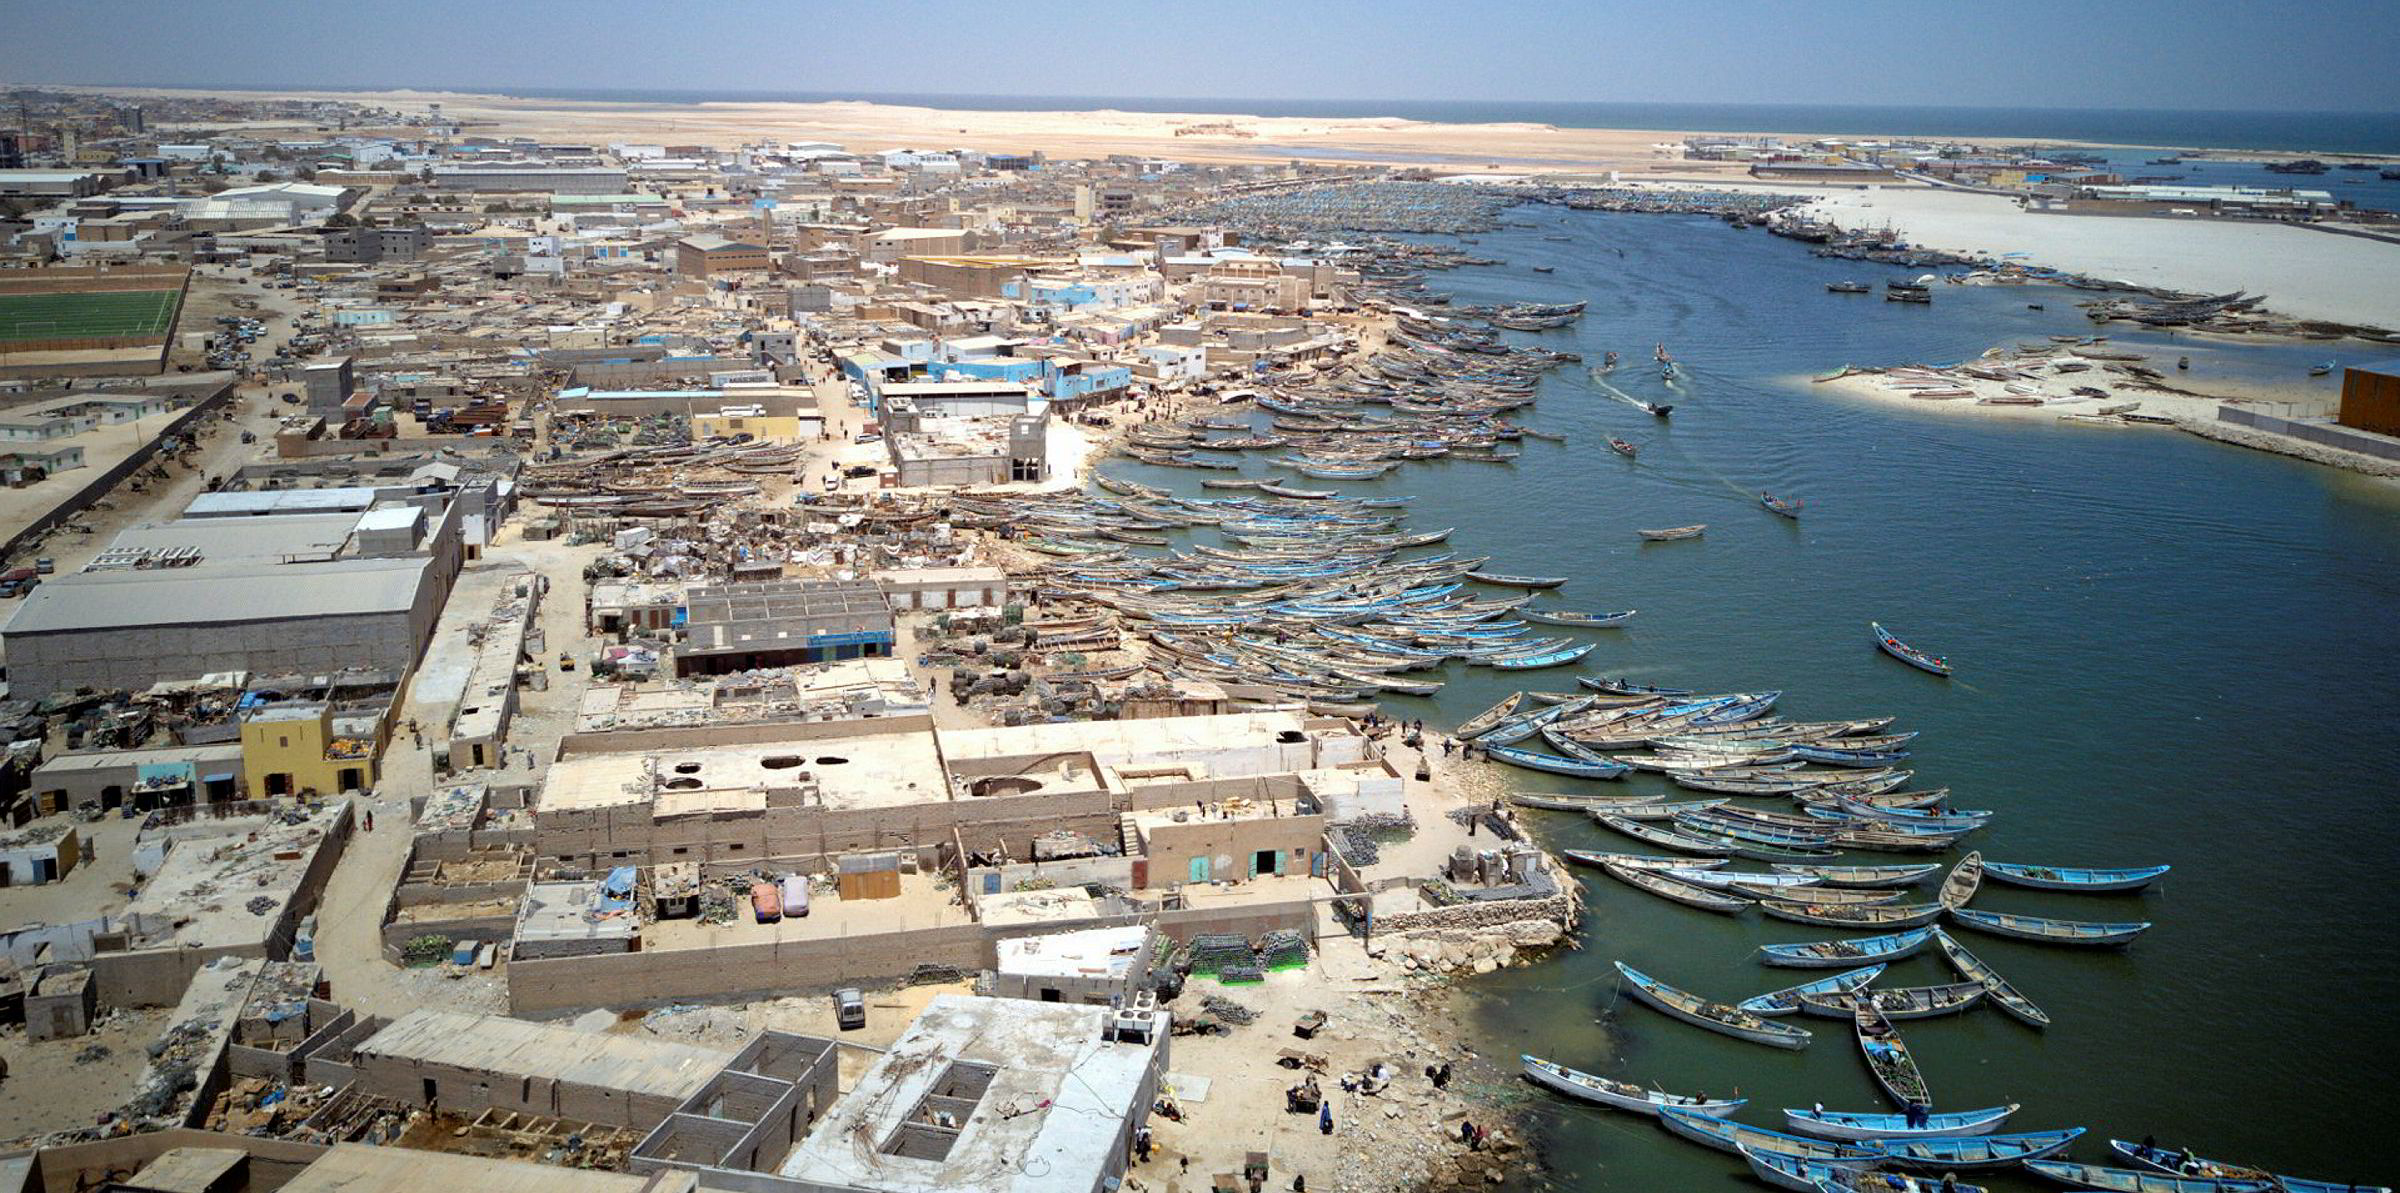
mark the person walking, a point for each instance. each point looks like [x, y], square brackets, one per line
[1324, 1118]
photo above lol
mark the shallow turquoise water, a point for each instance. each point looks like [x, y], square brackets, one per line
[2169, 651]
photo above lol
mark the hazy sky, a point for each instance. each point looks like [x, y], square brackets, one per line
[2326, 55]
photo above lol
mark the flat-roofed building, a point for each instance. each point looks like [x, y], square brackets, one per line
[775, 623]
[708, 254]
[1000, 1095]
[466, 1064]
[531, 176]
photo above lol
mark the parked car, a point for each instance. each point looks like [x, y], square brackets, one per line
[849, 1008]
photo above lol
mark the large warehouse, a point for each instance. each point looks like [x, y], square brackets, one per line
[295, 593]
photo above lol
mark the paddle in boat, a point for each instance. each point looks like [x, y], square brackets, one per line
[1906, 653]
[1714, 1016]
[2065, 878]
[1787, 1000]
[1835, 954]
[2050, 931]
[2184, 1163]
[1590, 1087]
[1844, 1125]
[2004, 996]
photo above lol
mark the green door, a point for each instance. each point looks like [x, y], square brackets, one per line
[1200, 869]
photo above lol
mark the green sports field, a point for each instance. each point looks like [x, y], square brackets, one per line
[75, 316]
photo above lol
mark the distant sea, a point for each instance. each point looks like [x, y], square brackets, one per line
[2325, 132]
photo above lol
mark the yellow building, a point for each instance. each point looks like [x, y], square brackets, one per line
[755, 422]
[288, 749]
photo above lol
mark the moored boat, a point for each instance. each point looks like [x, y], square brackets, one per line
[1888, 1059]
[1590, 1087]
[1870, 876]
[2134, 1180]
[2184, 1163]
[1977, 1151]
[1896, 1003]
[1508, 581]
[2050, 931]
[1960, 885]
[1676, 890]
[1837, 1124]
[1784, 1170]
[1489, 718]
[2004, 996]
[1713, 1016]
[1834, 954]
[1726, 1135]
[2063, 878]
[1787, 1000]
[1842, 915]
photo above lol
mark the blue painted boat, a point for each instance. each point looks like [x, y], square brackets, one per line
[1548, 658]
[2131, 1180]
[1555, 765]
[1586, 620]
[1835, 954]
[1817, 1176]
[2060, 878]
[1976, 1151]
[2045, 930]
[1876, 1125]
[2183, 1163]
[1906, 653]
[1509, 733]
[1859, 759]
[1728, 1136]
[1626, 687]
[1787, 1000]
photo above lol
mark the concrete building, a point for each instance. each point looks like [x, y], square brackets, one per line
[991, 1094]
[909, 589]
[531, 176]
[736, 627]
[55, 184]
[709, 255]
[466, 1064]
[267, 593]
[2371, 397]
[1094, 967]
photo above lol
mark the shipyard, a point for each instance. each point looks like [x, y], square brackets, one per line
[846, 645]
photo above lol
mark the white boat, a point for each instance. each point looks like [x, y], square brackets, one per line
[1715, 1016]
[1838, 1124]
[1588, 1087]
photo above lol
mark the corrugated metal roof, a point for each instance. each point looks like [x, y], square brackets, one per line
[265, 592]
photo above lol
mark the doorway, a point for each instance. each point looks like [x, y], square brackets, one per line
[1200, 869]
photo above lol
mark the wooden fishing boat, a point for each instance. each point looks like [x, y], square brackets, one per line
[1552, 764]
[2183, 1163]
[1977, 1151]
[1714, 1016]
[1672, 533]
[1489, 718]
[1626, 687]
[1507, 581]
[1960, 885]
[1848, 1126]
[1898, 1002]
[1538, 660]
[1662, 837]
[1585, 803]
[1623, 448]
[1835, 915]
[1568, 617]
[1787, 1000]
[1870, 876]
[1788, 507]
[1726, 1135]
[2134, 1180]
[1786, 1171]
[1589, 1087]
[1641, 861]
[1659, 884]
[2050, 931]
[2062, 878]
[2004, 996]
[1819, 895]
[1663, 810]
[1835, 954]
[1888, 1059]
[1726, 878]
[1906, 653]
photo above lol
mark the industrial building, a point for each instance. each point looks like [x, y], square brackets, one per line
[531, 176]
[282, 581]
[775, 623]
[708, 255]
[2371, 397]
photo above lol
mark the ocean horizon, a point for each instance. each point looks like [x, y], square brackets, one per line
[2293, 131]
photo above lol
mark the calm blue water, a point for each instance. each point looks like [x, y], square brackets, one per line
[2169, 651]
[2327, 132]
